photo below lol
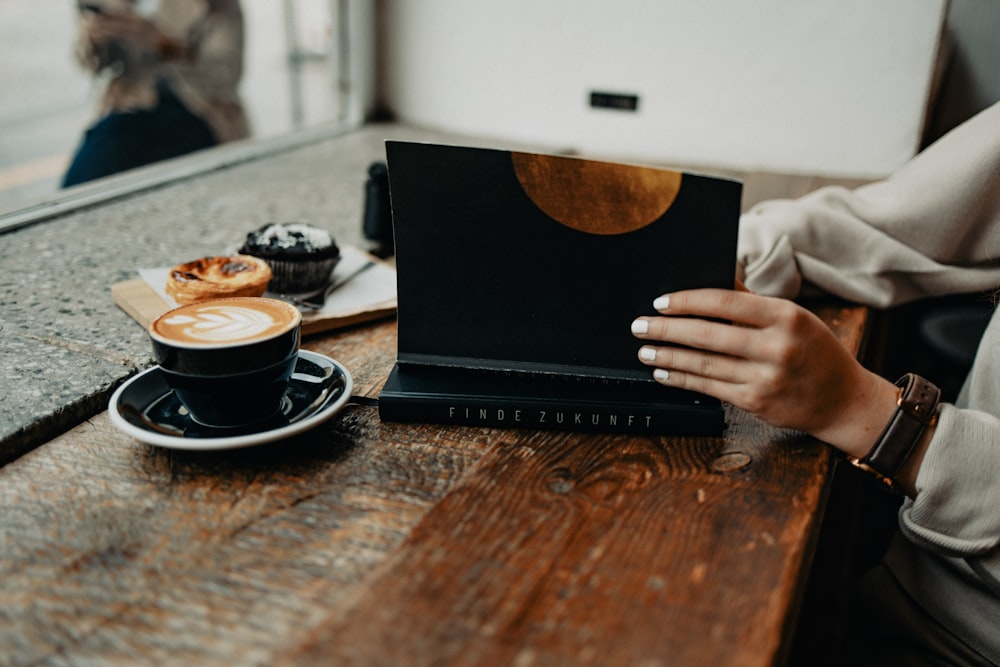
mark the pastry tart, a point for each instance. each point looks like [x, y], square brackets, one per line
[216, 277]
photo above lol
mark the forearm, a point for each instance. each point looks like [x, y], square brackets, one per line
[865, 402]
[908, 412]
[120, 40]
[868, 404]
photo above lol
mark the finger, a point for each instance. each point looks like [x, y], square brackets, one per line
[696, 362]
[743, 307]
[708, 335]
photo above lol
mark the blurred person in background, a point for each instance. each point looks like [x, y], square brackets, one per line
[172, 70]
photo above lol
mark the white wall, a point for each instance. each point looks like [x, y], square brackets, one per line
[972, 81]
[828, 87]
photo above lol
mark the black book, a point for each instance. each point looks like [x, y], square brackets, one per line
[519, 274]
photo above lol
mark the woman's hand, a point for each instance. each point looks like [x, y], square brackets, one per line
[124, 38]
[770, 357]
[118, 26]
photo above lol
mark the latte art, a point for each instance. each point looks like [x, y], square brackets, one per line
[222, 323]
[226, 322]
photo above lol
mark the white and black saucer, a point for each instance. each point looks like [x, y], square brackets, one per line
[145, 408]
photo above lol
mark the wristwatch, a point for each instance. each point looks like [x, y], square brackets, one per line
[916, 410]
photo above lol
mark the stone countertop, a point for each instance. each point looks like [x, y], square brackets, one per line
[67, 346]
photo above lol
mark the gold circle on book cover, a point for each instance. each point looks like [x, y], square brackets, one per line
[596, 197]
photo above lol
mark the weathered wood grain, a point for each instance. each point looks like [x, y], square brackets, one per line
[117, 552]
[112, 548]
[557, 542]
[373, 543]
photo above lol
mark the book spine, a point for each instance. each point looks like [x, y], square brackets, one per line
[565, 417]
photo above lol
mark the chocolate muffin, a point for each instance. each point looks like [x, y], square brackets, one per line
[301, 257]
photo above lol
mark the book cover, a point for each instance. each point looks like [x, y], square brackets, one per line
[520, 270]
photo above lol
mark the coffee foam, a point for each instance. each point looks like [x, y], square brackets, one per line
[223, 322]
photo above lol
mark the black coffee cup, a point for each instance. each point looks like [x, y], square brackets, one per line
[228, 361]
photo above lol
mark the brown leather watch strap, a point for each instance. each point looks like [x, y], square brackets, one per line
[916, 410]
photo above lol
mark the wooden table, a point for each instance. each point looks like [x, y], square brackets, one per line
[369, 543]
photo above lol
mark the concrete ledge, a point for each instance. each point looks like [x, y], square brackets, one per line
[66, 345]
[188, 166]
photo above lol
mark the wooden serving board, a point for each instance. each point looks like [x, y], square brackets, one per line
[143, 304]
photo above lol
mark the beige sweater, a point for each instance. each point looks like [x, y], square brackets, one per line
[206, 79]
[931, 229]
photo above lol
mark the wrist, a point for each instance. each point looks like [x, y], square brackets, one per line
[865, 407]
[899, 448]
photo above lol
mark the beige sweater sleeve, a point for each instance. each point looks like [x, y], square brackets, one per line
[931, 229]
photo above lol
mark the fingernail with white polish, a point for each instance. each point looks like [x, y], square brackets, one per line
[647, 354]
[661, 303]
[661, 375]
[640, 326]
